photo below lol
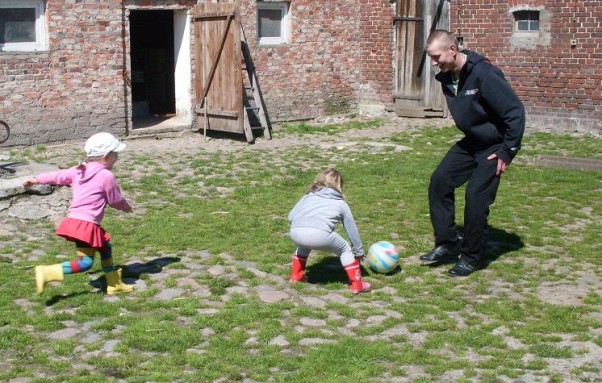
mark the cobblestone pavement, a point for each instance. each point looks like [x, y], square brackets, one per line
[29, 218]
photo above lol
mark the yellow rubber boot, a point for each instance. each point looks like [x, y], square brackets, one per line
[45, 274]
[115, 284]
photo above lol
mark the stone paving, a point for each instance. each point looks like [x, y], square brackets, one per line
[28, 217]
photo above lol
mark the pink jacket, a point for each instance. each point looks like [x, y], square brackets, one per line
[93, 187]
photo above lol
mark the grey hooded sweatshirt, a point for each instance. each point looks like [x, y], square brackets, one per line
[322, 210]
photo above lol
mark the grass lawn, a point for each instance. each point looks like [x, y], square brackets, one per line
[209, 253]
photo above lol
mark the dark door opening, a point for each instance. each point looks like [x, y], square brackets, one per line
[153, 64]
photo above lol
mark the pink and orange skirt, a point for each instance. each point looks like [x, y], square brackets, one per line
[83, 231]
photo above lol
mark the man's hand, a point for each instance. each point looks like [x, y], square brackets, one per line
[501, 165]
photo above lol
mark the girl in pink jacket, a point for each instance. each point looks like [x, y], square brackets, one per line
[93, 187]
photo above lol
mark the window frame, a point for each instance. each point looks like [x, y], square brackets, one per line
[284, 22]
[528, 13]
[40, 26]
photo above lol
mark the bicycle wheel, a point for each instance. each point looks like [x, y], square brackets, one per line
[4, 131]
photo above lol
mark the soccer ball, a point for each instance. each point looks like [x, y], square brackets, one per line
[383, 257]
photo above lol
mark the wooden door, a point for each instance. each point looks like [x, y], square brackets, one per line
[437, 16]
[218, 72]
[416, 91]
[409, 32]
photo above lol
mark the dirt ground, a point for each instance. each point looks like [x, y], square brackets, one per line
[189, 140]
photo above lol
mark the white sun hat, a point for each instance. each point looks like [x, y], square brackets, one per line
[101, 144]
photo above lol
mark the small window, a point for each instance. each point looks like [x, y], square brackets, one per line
[22, 25]
[272, 22]
[527, 21]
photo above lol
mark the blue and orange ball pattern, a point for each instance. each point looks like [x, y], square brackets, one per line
[383, 257]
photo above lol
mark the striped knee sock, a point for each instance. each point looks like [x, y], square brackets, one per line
[106, 258]
[85, 260]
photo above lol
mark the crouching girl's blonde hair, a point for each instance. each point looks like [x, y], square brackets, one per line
[328, 178]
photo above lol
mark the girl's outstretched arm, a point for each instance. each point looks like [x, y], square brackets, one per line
[29, 183]
[353, 232]
[115, 199]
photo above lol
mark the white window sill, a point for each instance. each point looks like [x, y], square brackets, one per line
[22, 52]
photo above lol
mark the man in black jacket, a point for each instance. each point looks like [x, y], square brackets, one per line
[492, 118]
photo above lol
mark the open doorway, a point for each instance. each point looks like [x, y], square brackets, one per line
[153, 66]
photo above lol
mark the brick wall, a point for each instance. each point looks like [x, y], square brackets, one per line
[339, 56]
[559, 83]
[376, 50]
[77, 86]
[73, 88]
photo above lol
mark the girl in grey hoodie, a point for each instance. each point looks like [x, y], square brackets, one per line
[313, 221]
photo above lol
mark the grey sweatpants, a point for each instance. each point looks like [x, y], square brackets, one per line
[308, 239]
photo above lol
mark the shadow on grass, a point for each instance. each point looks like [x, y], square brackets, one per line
[57, 298]
[499, 243]
[396, 270]
[328, 270]
[128, 274]
[134, 270]
[218, 135]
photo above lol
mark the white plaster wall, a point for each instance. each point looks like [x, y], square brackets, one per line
[183, 69]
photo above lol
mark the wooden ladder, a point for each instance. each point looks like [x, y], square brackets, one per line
[255, 113]
[225, 73]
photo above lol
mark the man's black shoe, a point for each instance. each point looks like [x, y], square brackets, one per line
[441, 253]
[462, 269]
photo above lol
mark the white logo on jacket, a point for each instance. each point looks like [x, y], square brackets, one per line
[471, 92]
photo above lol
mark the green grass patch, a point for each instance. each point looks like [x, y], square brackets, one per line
[209, 238]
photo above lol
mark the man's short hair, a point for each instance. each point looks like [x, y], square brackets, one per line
[443, 37]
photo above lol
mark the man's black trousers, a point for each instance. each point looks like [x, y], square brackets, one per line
[466, 161]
